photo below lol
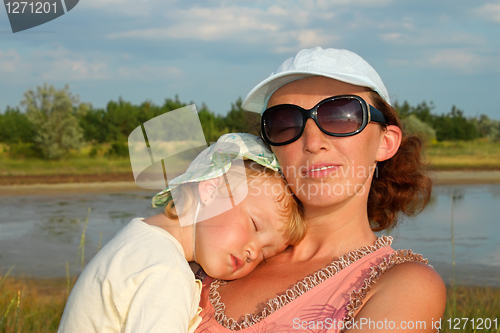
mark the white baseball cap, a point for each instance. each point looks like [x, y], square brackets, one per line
[342, 65]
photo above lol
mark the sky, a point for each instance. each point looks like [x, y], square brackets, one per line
[446, 52]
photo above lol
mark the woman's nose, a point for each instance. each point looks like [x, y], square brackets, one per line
[314, 140]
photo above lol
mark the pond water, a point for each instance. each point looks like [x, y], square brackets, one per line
[40, 235]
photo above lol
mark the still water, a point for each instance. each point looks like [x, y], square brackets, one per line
[40, 235]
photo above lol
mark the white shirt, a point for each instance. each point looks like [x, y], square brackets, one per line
[139, 282]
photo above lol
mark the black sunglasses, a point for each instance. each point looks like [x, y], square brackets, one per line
[343, 115]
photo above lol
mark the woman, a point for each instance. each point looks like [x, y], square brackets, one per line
[327, 117]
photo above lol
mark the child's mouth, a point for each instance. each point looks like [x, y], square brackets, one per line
[237, 263]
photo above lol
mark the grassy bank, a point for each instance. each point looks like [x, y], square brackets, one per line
[42, 301]
[478, 303]
[31, 305]
[81, 162]
[76, 165]
[459, 155]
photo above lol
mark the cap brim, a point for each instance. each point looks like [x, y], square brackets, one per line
[258, 97]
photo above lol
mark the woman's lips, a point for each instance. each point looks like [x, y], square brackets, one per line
[321, 170]
[237, 263]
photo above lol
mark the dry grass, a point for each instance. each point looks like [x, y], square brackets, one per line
[42, 303]
[456, 155]
[39, 307]
[476, 303]
[77, 165]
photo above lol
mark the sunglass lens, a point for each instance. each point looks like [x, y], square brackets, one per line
[341, 116]
[282, 124]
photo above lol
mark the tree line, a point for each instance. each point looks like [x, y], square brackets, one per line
[52, 122]
[451, 126]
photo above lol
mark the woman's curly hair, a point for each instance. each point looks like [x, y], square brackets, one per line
[400, 184]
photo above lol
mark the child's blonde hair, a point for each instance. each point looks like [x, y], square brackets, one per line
[291, 208]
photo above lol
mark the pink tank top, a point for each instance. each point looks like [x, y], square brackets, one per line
[324, 301]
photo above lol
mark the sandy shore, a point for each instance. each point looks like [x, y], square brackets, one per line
[466, 177]
[51, 189]
[439, 177]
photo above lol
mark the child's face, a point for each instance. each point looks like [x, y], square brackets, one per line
[232, 244]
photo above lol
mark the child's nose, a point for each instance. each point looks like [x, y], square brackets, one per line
[252, 255]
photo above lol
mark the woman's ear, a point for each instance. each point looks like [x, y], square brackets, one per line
[207, 189]
[390, 143]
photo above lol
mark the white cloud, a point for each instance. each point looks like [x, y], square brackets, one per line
[64, 69]
[363, 3]
[331, 4]
[310, 38]
[276, 28]
[62, 65]
[426, 38]
[460, 60]
[392, 37]
[278, 11]
[404, 23]
[10, 61]
[206, 24]
[131, 8]
[489, 11]
[304, 39]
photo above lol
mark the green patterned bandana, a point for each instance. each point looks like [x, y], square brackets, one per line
[217, 159]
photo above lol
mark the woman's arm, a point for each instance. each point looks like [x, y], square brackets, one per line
[409, 297]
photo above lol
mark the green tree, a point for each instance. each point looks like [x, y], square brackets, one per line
[487, 128]
[414, 126]
[422, 111]
[53, 114]
[94, 125]
[213, 126]
[15, 127]
[451, 126]
[121, 119]
[173, 104]
[239, 120]
[454, 126]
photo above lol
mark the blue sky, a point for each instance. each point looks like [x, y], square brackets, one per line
[445, 51]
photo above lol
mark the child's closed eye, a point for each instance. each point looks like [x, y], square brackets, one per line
[255, 225]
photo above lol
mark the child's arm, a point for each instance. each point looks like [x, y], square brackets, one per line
[138, 282]
[166, 301]
[163, 301]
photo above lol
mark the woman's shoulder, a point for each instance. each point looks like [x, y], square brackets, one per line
[413, 277]
[412, 287]
[415, 280]
[406, 269]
